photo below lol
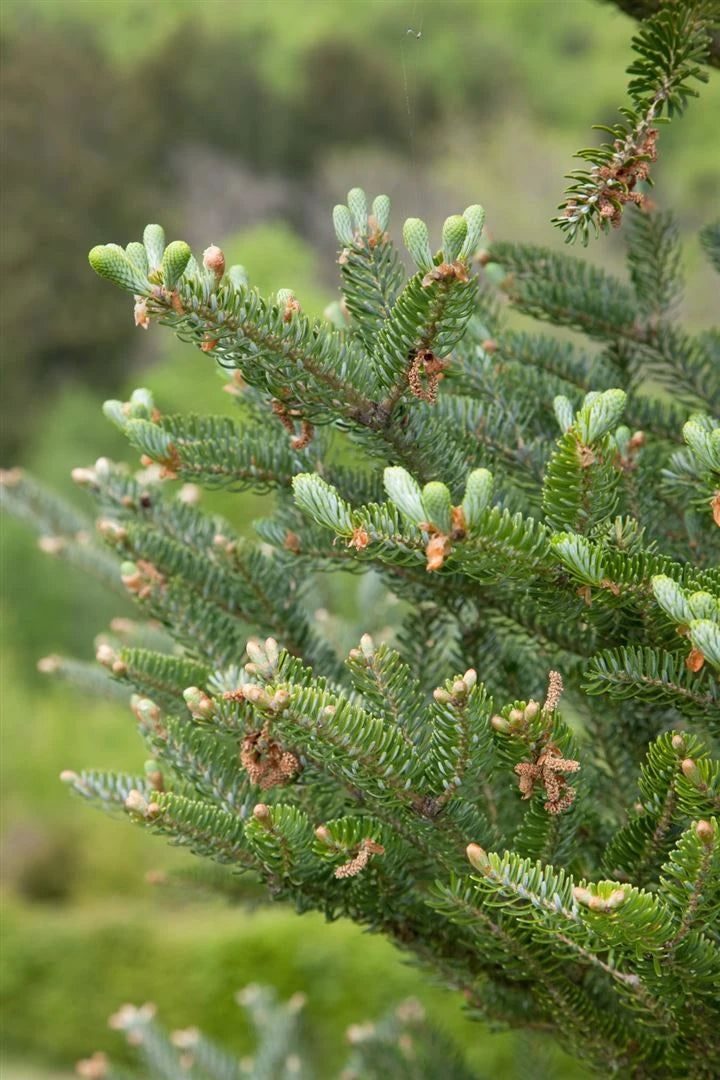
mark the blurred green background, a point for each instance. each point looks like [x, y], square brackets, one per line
[239, 123]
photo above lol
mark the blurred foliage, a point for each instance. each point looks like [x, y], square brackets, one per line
[94, 155]
[60, 978]
[250, 119]
[77, 163]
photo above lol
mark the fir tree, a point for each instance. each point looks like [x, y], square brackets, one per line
[518, 788]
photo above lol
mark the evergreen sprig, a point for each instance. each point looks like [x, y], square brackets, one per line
[671, 47]
[501, 781]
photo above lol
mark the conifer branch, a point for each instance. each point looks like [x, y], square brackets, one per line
[671, 46]
[533, 508]
[643, 9]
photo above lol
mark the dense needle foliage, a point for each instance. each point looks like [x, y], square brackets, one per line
[519, 786]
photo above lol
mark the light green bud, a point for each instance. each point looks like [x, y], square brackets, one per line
[200, 704]
[478, 493]
[705, 637]
[453, 237]
[437, 505]
[111, 262]
[417, 241]
[564, 412]
[671, 598]
[343, 225]
[475, 217]
[174, 261]
[357, 205]
[147, 710]
[154, 241]
[404, 492]
[256, 652]
[623, 435]
[470, 678]
[272, 651]
[703, 605]
[600, 413]
[142, 403]
[381, 211]
[115, 412]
